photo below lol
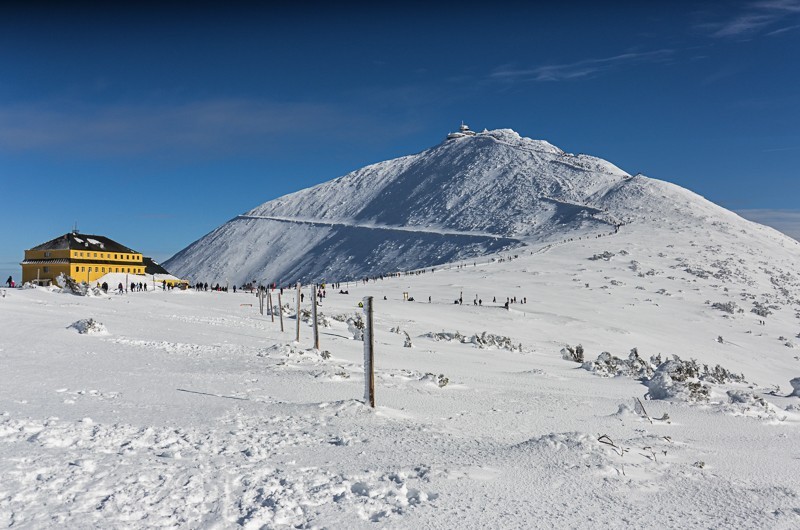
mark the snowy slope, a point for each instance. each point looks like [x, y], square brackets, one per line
[191, 409]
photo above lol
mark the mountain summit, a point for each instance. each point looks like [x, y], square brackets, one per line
[473, 194]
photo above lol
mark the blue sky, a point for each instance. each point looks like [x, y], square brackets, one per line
[154, 125]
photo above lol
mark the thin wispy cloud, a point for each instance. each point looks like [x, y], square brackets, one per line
[783, 30]
[580, 69]
[786, 221]
[208, 128]
[754, 19]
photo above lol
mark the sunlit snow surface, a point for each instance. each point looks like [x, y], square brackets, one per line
[193, 410]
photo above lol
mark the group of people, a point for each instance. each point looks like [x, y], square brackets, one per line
[203, 286]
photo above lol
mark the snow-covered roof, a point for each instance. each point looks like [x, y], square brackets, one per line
[71, 241]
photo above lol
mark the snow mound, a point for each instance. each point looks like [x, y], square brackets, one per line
[89, 326]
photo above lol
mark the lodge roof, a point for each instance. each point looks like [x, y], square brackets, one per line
[76, 241]
[153, 267]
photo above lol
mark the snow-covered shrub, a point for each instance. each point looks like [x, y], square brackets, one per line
[68, 285]
[604, 256]
[568, 353]
[608, 365]
[439, 380]
[488, 340]
[484, 340]
[728, 307]
[355, 324]
[446, 336]
[672, 380]
[760, 310]
[89, 326]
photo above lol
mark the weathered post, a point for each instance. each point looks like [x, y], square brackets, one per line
[280, 310]
[369, 354]
[271, 307]
[297, 338]
[314, 317]
[260, 301]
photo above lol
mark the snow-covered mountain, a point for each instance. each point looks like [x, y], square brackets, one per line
[472, 195]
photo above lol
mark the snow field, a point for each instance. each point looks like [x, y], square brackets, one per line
[194, 410]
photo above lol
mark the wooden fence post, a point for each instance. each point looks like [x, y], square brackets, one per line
[280, 310]
[369, 354]
[271, 307]
[314, 317]
[299, 292]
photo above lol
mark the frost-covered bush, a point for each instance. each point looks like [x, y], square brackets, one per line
[489, 340]
[608, 365]
[671, 380]
[568, 353]
[355, 324]
[604, 256]
[440, 380]
[728, 307]
[89, 326]
[742, 401]
[68, 285]
[484, 340]
[760, 310]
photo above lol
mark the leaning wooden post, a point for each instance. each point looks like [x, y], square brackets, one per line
[369, 354]
[297, 338]
[280, 310]
[314, 318]
[271, 307]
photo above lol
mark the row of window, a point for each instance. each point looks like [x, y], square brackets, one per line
[106, 255]
[135, 270]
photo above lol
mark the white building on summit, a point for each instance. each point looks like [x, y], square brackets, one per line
[463, 131]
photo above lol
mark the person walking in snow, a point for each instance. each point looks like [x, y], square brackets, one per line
[9, 281]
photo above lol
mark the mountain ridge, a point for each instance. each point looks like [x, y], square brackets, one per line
[465, 197]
